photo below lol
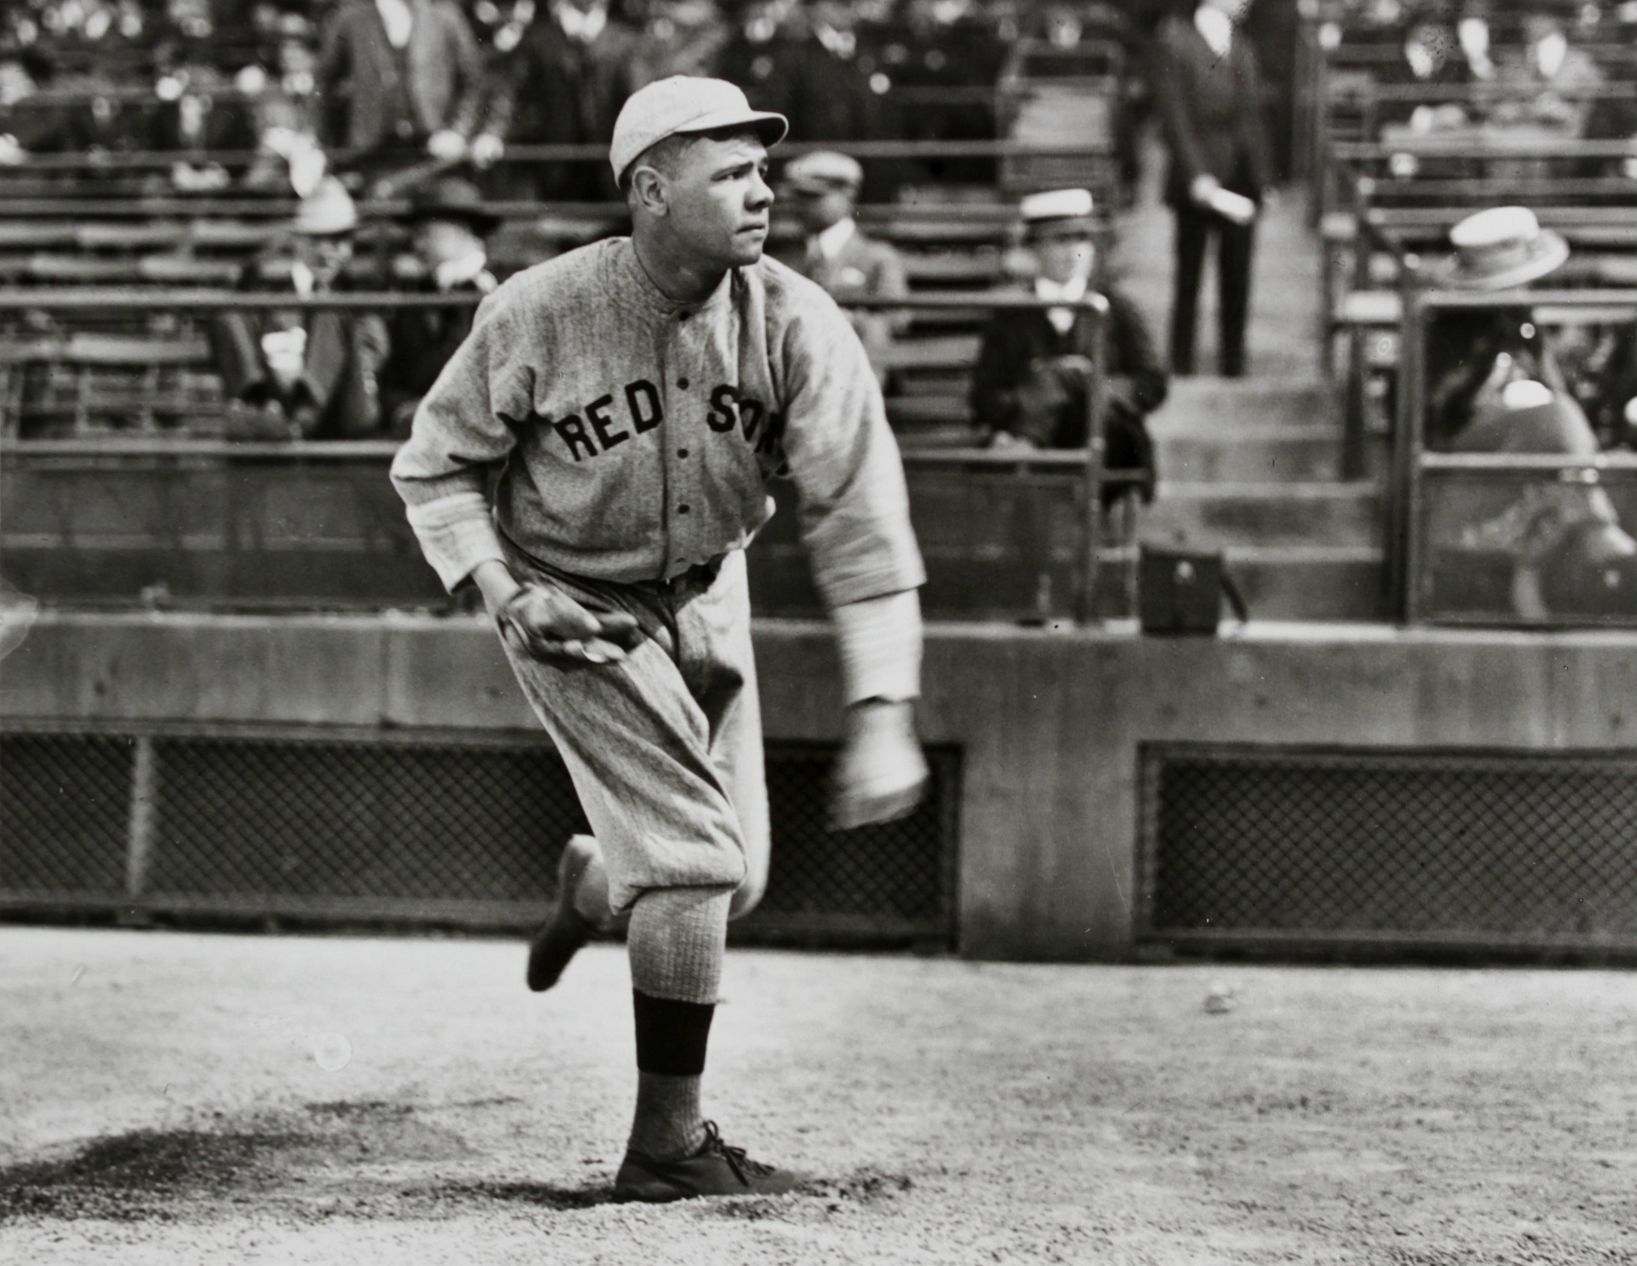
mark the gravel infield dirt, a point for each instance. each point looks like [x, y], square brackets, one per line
[175, 1097]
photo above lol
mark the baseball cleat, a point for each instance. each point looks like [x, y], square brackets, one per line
[714, 1170]
[566, 932]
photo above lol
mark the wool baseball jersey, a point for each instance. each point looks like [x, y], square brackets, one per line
[635, 434]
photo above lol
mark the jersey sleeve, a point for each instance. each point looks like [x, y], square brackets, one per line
[462, 430]
[854, 507]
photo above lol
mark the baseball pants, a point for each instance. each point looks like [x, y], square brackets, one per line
[664, 746]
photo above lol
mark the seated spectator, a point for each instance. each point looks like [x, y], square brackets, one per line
[1029, 384]
[1432, 58]
[303, 373]
[450, 226]
[405, 78]
[1473, 354]
[1551, 82]
[838, 255]
[684, 37]
[285, 112]
[28, 126]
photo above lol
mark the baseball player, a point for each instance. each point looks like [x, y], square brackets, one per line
[595, 459]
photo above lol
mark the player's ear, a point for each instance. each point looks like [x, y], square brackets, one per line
[649, 191]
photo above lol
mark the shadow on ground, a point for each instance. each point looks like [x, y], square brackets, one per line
[364, 1159]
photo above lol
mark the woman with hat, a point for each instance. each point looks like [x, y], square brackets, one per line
[450, 227]
[1472, 354]
[1546, 549]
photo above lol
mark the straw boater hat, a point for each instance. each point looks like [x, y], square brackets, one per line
[1501, 248]
[328, 211]
[1057, 213]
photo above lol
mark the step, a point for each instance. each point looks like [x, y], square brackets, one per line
[1280, 583]
[1248, 454]
[1274, 514]
[1220, 404]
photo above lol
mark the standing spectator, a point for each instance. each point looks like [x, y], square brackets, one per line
[562, 84]
[1209, 89]
[839, 256]
[303, 373]
[399, 78]
[685, 37]
[451, 227]
[1029, 384]
[286, 112]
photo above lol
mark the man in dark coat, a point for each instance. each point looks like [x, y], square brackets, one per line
[404, 78]
[1029, 384]
[562, 84]
[450, 226]
[303, 373]
[1209, 90]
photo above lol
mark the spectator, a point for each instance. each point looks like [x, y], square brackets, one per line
[303, 373]
[404, 78]
[1552, 84]
[1029, 384]
[825, 186]
[286, 112]
[562, 84]
[28, 126]
[819, 80]
[685, 37]
[1473, 355]
[1432, 59]
[1209, 89]
[451, 227]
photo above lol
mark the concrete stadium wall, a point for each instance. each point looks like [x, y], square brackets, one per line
[1050, 721]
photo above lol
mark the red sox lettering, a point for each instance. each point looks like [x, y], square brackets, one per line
[596, 428]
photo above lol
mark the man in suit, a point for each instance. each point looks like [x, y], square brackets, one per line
[837, 254]
[562, 84]
[1029, 384]
[1209, 90]
[402, 77]
[450, 226]
[303, 373]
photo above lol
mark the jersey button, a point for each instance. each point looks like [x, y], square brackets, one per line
[681, 452]
[682, 383]
[683, 508]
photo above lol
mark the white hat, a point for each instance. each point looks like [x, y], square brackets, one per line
[823, 170]
[1044, 212]
[327, 211]
[1501, 248]
[685, 104]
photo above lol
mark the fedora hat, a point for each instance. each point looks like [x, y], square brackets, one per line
[328, 211]
[824, 171]
[1500, 248]
[451, 198]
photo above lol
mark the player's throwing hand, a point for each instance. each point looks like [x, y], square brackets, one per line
[880, 774]
[544, 622]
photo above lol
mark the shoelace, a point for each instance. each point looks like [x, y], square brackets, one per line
[742, 1166]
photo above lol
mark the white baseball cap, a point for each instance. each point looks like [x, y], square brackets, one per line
[685, 104]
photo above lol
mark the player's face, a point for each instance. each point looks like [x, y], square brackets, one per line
[719, 201]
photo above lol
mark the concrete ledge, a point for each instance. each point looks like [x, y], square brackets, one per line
[1050, 721]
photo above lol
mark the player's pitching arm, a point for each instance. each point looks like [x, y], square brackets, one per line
[458, 435]
[855, 523]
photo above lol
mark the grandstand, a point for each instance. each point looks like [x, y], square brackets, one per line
[221, 710]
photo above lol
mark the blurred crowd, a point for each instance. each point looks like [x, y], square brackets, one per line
[1544, 63]
[379, 80]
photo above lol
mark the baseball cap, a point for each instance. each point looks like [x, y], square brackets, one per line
[824, 170]
[685, 104]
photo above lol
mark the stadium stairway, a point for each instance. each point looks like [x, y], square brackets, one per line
[1252, 466]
